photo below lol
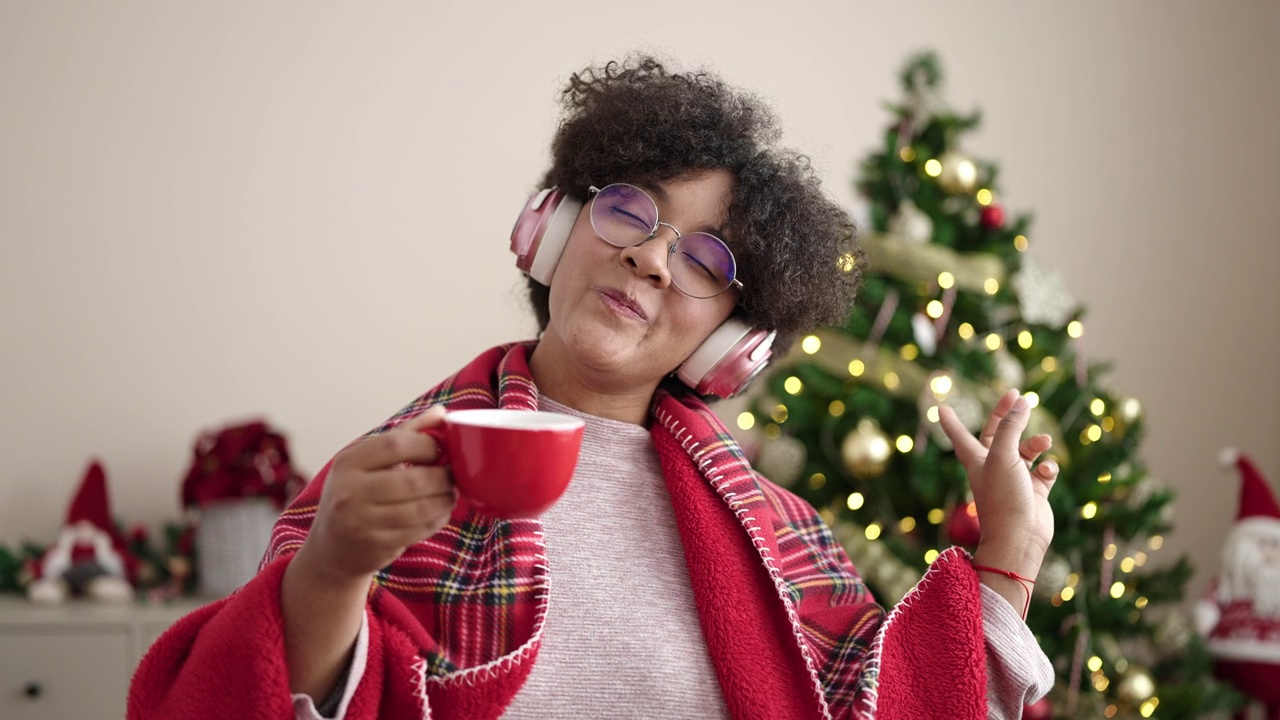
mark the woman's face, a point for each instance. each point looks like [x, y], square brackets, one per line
[614, 310]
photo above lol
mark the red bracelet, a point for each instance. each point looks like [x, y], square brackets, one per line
[1013, 576]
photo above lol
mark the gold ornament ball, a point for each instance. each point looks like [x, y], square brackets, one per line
[959, 174]
[1136, 688]
[866, 450]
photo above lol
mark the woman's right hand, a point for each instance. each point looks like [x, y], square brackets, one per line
[382, 495]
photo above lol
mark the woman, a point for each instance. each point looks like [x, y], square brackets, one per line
[685, 585]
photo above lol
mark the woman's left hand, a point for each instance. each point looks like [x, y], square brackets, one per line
[1012, 499]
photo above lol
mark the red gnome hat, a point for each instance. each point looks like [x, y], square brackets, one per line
[92, 505]
[1256, 498]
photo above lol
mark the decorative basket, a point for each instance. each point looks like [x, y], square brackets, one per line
[231, 539]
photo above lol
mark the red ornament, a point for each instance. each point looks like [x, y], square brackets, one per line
[962, 526]
[1038, 710]
[992, 216]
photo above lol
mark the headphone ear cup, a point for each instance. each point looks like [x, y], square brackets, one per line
[542, 231]
[728, 360]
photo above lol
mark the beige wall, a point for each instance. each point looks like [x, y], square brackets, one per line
[302, 210]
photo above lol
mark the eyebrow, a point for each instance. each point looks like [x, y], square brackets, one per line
[664, 197]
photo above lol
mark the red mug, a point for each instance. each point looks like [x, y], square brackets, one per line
[509, 463]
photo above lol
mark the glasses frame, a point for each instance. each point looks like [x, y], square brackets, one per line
[594, 192]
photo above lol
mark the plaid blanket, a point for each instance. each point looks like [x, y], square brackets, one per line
[457, 620]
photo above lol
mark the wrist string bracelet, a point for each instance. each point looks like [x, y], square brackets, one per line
[1025, 582]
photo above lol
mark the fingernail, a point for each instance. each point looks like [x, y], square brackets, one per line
[1021, 403]
[1049, 466]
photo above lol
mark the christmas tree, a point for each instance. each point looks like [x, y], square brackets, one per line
[954, 311]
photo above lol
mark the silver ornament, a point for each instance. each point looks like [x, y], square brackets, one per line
[1044, 299]
[911, 224]
[782, 460]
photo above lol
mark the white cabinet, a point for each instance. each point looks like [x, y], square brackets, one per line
[74, 662]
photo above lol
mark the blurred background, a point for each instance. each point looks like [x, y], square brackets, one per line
[300, 211]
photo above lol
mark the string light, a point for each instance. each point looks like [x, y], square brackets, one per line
[1104, 478]
[779, 414]
[1073, 579]
[907, 524]
[993, 342]
[836, 408]
[1141, 602]
[1139, 559]
[930, 556]
[873, 531]
[1024, 339]
[1149, 707]
[932, 168]
[905, 444]
[773, 432]
[940, 385]
[1109, 552]
[1067, 593]
[907, 153]
[1155, 542]
[1075, 328]
[934, 309]
[1095, 664]
[817, 480]
[991, 285]
[846, 262]
[746, 420]
[1089, 510]
[855, 501]
[936, 516]
[1033, 399]
[1110, 712]
[1108, 424]
[1049, 364]
[965, 330]
[1020, 243]
[793, 385]
[857, 367]
[811, 344]
[1117, 589]
[946, 280]
[1126, 565]
[932, 414]
[984, 197]
[1097, 407]
[891, 380]
[909, 352]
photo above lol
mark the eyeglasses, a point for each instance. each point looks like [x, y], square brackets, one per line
[701, 265]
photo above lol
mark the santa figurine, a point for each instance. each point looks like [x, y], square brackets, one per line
[1240, 614]
[90, 557]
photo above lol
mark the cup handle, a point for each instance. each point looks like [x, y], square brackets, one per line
[437, 433]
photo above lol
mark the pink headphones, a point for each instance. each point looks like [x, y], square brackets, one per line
[723, 365]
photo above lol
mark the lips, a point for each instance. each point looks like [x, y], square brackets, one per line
[622, 302]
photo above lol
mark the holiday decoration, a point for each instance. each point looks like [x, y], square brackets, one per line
[911, 224]
[954, 317]
[782, 460]
[958, 173]
[1044, 299]
[241, 461]
[992, 217]
[239, 479]
[962, 524]
[89, 556]
[1241, 611]
[866, 450]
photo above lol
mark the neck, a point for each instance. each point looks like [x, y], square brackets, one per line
[568, 383]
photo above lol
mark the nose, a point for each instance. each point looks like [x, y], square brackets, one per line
[649, 258]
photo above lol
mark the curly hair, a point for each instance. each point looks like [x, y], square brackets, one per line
[637, 122]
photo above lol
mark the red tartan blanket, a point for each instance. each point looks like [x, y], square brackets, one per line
[456, 621]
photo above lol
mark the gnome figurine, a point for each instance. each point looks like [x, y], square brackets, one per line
[89, 557]
[1240, 614]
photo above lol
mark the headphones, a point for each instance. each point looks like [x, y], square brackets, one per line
[723, 365]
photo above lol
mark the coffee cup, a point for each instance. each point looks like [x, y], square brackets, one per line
[509, 463]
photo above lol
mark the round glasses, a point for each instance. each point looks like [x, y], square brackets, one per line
[700, 264]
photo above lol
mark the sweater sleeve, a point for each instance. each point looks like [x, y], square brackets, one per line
[1018, 672]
